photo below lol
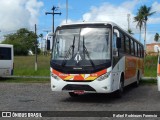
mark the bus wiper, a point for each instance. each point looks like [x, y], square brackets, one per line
[71, 48]
[85, 51]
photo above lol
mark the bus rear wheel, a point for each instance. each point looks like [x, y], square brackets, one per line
[137, 81]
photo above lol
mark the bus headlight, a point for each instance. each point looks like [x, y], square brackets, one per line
[55, 76]
[103, 77]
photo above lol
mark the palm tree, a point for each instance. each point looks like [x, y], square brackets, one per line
[140, 22]
[156, 37]
[146, 12]
[130, 31]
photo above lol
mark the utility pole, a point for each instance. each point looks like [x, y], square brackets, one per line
[66, 11]
[128, 19]
[53, 13]
[35, 47]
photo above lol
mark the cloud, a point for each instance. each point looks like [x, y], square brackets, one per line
[114, 13]
[118, 14]
[155, 7]
[15, 14]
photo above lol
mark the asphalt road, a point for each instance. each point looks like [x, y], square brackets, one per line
[39, 97]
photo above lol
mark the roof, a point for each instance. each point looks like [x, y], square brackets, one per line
[6, 45]
[153, 44]
[79, 23]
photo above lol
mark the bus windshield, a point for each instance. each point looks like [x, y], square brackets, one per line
[76, 46]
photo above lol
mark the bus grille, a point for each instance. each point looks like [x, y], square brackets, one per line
[78, 87]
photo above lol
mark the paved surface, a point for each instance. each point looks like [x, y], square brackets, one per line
[39, 97]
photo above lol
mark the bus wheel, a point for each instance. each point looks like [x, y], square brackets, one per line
[72, 94]
[119, 92]
[137, 81]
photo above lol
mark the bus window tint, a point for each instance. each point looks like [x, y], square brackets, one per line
[122, 49]
[132, 47]
[138, 48]
[5, 53]
[127, 44]
[135, 46]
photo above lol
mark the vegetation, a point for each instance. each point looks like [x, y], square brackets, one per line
[150, 66]
[25, 66]
[130, 31]
[142, 17]
[23, 41]
[156, 37]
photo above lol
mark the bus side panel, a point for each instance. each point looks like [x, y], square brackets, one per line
[131, 69]
[134, 65]
[129, 66]
[118, 69]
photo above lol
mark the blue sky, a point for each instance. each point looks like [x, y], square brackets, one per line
[26, 13]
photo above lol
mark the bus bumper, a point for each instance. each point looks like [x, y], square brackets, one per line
[95, 86]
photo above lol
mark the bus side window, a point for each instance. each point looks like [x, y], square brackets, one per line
[138, 49]
[127, 44]
[132, 47]
[122, 49]
[114, 41]
[135, 48]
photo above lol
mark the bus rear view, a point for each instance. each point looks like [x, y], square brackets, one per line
[87, 58]
[6, 60]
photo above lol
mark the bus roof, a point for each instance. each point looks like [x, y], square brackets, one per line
[6, 45]
[82, 23]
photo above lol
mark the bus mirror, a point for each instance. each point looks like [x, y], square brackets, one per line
[48, 44]
[118, 42]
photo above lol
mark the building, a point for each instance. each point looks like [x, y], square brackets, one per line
[152, 49]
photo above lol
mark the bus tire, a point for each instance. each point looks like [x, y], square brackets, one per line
[137, 81]
[72, 94]
[119, 92]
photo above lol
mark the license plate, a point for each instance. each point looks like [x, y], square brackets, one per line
[79, 92]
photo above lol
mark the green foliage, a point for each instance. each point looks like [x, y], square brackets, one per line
[25, 66]
[150, 66]
[156, 37]
[23, 41]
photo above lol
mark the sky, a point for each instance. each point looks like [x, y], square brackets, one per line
[16, 14]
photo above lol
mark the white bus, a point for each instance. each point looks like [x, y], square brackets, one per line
[94, 58]
[6, 60]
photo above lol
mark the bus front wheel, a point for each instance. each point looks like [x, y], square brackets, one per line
[119, 92]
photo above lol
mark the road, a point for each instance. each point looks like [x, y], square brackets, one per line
[39, 97]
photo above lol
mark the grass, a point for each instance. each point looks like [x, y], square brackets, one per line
[150, 66]
[25, 66]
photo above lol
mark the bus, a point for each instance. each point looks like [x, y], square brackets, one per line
[6, 60]
[94, 57]
[158, 72]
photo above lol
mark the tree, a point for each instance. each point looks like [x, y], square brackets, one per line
[156, 37]
[144, 12]
[140, 22]
[130, 31]
[23, 41]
